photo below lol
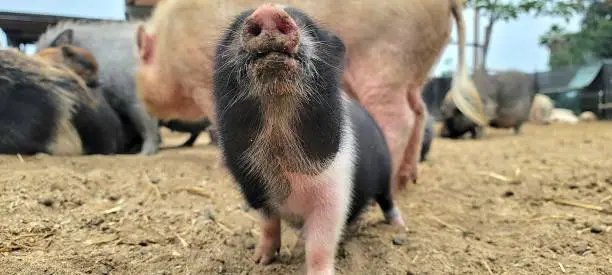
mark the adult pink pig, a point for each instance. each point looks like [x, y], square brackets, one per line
[391, 48]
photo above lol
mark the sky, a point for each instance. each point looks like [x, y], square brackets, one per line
[514, 44]
[105, 9]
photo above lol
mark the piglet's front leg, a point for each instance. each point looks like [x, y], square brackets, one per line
[322, 233]
[270, 239]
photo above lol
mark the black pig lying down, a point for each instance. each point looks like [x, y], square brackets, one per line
[298, 148]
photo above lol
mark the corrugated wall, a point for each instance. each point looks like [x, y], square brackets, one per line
[607, 96]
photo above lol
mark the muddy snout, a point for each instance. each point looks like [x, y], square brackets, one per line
[270, 29]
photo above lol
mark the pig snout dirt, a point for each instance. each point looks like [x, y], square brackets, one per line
[270, 29]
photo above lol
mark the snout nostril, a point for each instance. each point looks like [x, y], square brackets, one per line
[285, 28]
[270, 29]
[254, 29]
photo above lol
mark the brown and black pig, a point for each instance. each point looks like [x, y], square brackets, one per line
[37, 103]
[113, 43]
[99, 126]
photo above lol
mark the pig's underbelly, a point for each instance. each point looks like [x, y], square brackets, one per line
[327, 194]
[309, 194]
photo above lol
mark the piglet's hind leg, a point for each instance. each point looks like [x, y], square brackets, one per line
[392, 214]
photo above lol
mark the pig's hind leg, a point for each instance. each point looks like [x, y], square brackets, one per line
[392, 214]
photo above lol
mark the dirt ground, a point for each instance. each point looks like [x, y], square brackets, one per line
[493, 206]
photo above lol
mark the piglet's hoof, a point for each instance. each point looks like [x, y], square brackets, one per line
[266, 251]
[398, 222]
[394, 218]
[329, 271]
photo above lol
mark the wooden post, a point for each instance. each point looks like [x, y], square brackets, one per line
[476, 49]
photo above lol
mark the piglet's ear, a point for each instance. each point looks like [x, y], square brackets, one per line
[64, 38]
[146, 44]
[67, 52]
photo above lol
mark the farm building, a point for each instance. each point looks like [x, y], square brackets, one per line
[138, 9]
[23, 23]
[581, 88]
[578, 88]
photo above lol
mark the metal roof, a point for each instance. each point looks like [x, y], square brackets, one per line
[141, 2]
[25, 28]
[582, 77]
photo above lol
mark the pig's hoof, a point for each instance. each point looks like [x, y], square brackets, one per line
[405, 177]
[265, 252]
[298, 251]
[398, 223]
[147, 153]
[328, 271]
[394, 218]
[149, 150]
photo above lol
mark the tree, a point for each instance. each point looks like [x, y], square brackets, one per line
[565, 48]
[596, 28]
[593, 41]
[497, 10]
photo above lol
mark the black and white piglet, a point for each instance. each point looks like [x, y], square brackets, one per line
[299, 149]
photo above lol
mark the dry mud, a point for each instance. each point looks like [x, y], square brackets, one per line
[179, 213]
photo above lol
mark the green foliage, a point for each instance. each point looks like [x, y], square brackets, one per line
[568, 55]
[596, 29]
[496, 10]
[555, 34]
[509, 10]
[593, 41]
